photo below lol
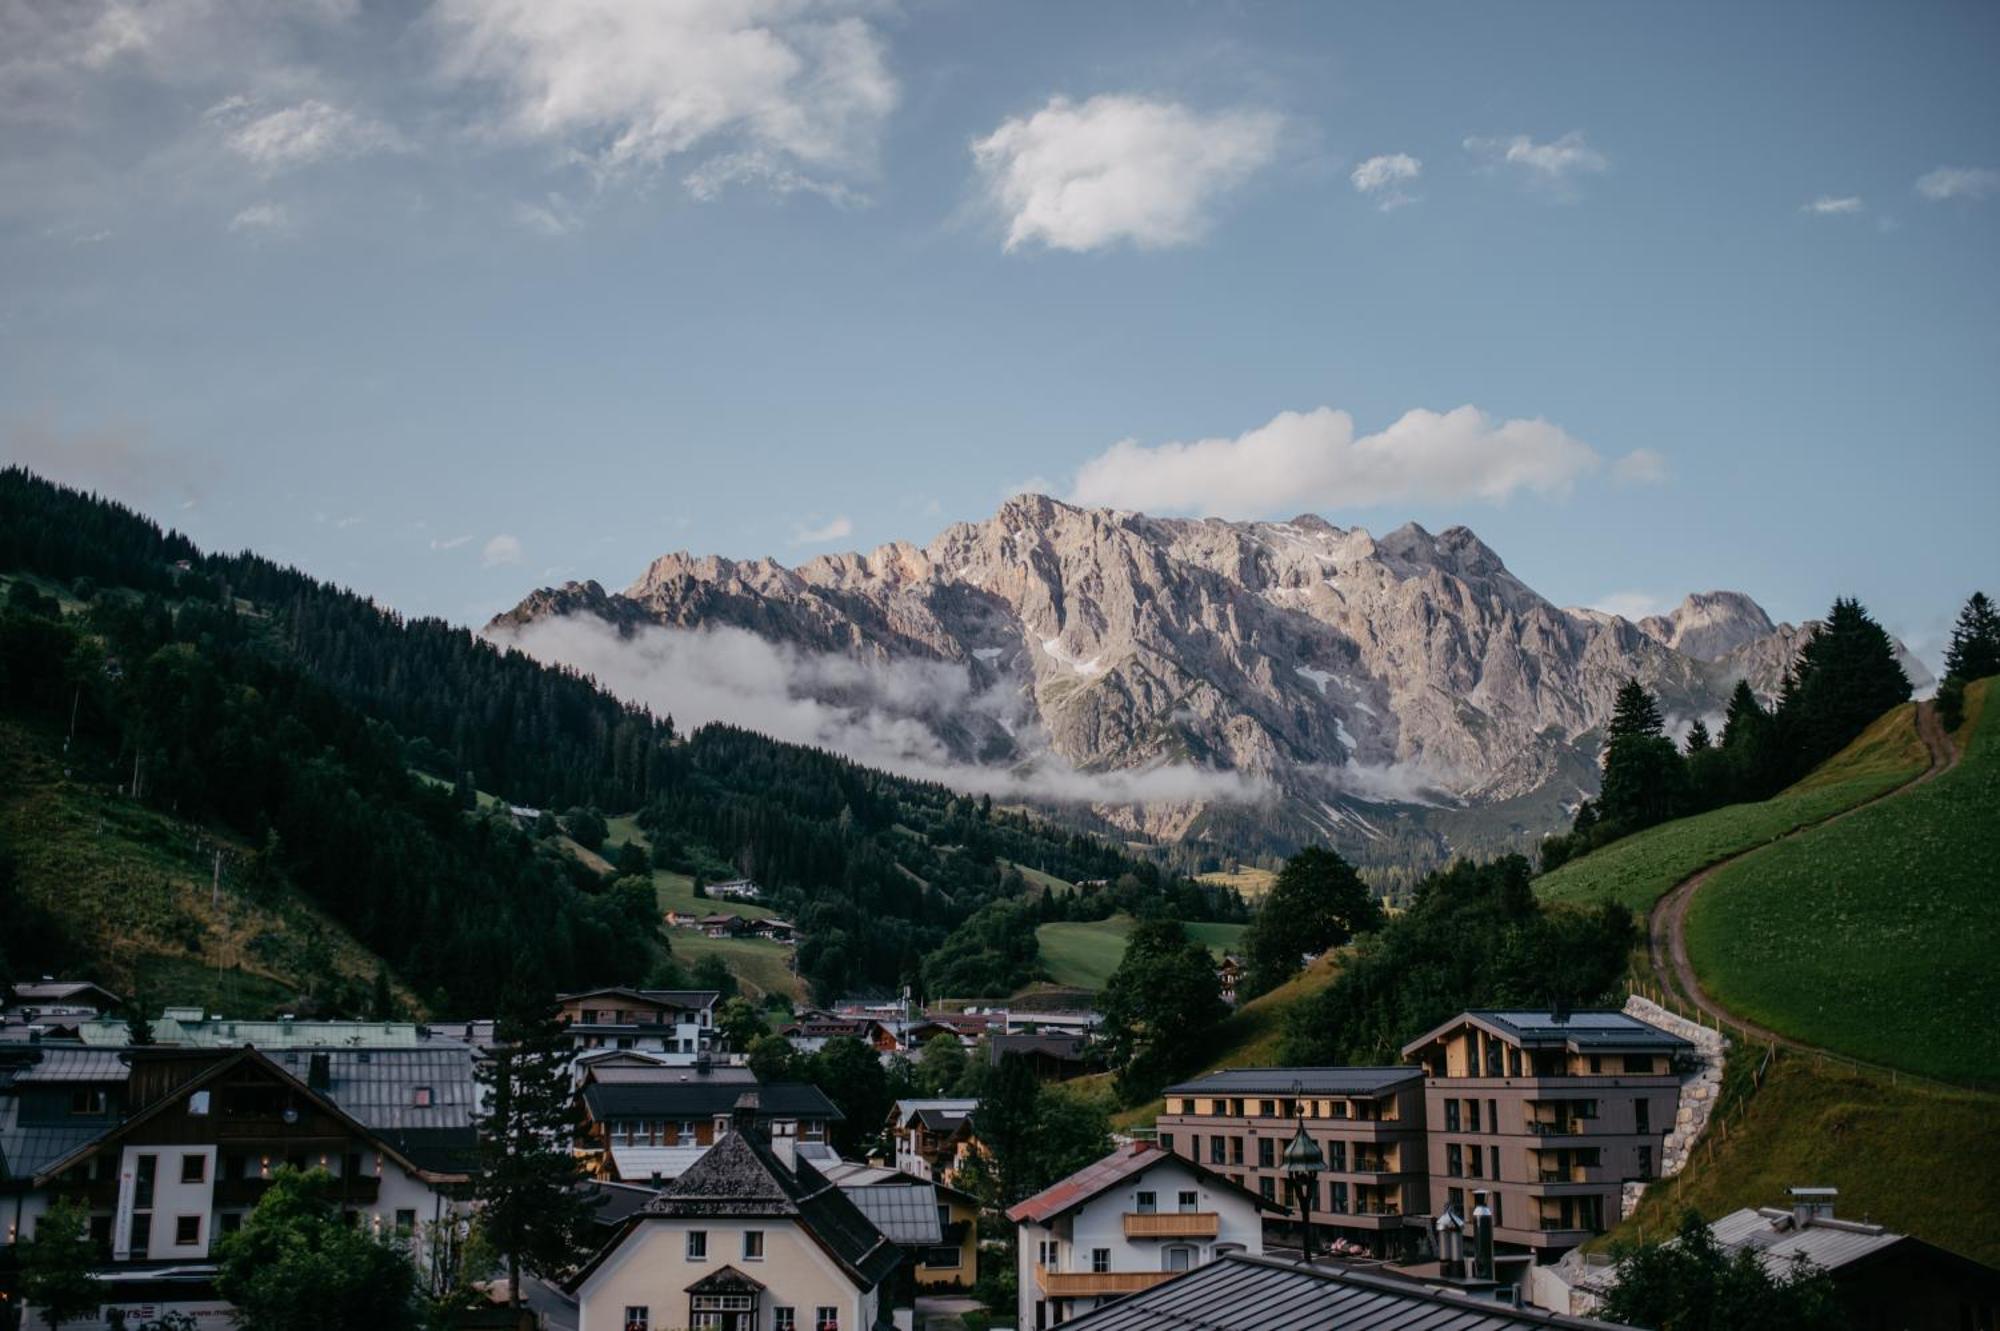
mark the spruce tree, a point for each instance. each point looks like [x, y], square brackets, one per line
[1846, 677]
[1975, 641]
[1644, 775]
[533, 1209]
[1697, 740]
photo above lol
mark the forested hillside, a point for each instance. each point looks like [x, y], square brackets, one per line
[228, 689]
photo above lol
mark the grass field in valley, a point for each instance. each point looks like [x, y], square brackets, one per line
[1083, 955]
[1910, 1157]
[1874, 935]
[1637, 870]
[759, 965]
[675, 891]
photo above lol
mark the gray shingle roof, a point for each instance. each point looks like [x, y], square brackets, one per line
[1309, 1081]
[1605, 1029]
[1239, 1293]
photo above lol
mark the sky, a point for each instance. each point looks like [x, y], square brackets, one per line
[445, 301]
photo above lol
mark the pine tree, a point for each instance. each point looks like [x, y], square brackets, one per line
[1846, 677]
[530, 1186]
[1644, 776]
[1697, 740]
[1634, 713]
[1975, 641]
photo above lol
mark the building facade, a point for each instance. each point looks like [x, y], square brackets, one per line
[932, 1138]
[652, 1124]
[1135, 1219]
[1551, 1112]
[1367, 1122]
[677, 1024]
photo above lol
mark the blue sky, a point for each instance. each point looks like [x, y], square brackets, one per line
[447, 301]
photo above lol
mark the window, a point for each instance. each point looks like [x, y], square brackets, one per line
[138, 1235]
[1644, 1109]
[1217, 1151]
[784, 1319]
[1235, 1150]
[1267, 1155]
[1267, 1189]
[198, 1104]
[1492, 1160]
[1493, 1115]
[1148, 1203]
[87, 1101]
[142, 1189]
[1475, 1162]
[1472, 1115]
[1596, 1065]
[1336, 1197]
[753, 1245]
[1194, 1148]
[187, 1231]
[406, 1222]
[1454, 1160]
[826, 1318]
[194, 1169]
[421, 1097]
[1189, 1202]
[1167, 1141]
[1455, 1199]
[638, 1317]
[1451, 1115]
[697, 1249]
[686, 1135]
[1645, 1162]
[1048, 1255]
[1178, 1259]
[1100, 1261]
[1642, 1064]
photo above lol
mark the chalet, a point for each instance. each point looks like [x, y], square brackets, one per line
[52, 1010]
[751, 1236]
[1053, 1057]
[1228, 975]
[933, 1137]
[180, 1149]
[810, 1034]
[723, 925]
[775, 929]
[736, 889]
[1135, 1219]
[642, 1125]
[676, 1023]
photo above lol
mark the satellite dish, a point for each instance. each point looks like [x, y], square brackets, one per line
[291, 1114]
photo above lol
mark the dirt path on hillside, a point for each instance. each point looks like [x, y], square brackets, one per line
[1667, 926]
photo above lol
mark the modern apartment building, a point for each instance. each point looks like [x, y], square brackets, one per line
[1550, 1111]
[1368, 1123]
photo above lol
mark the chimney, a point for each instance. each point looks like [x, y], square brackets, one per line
[1810, 1204]
[319, 1072]
[1482, 1221]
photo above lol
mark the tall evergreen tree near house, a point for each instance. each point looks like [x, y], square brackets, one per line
[1846, 677]
[533, 1208]
[1975, 641]
[1643, 772]
[138, 1021]
[1318, 902]
[56, 1264]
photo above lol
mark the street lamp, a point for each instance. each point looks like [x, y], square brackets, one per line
[1303, 1163]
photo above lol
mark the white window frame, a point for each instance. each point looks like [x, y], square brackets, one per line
[697, 1245]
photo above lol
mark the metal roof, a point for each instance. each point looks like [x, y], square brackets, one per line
[1127, 1161]
[1296, 1081]
[634, 1163]
[26, 1151]
[225, 1033]
[696, 1100]
[379, 1086]
[1594, 1029]
[1777, 1238]
[1241, 1293]
[73, 1064]
[906, 1212]
[668, 1074]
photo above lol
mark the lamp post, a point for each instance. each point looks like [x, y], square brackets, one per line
[1303, 1163]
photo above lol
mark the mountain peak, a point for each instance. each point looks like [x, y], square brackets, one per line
[1710, 625]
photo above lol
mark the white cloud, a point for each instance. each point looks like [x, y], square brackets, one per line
[838, 529]
[625, 86]
[1828, 205]
[876, 713]
[1633, 605]
[262, 217]
[1958, 182]
[1642, 466]
[1314, 460]
[1383, 179]
[309, 131]
[712, 179]
[449, 543]
[1553, 164]
[1119, 168]
[502, 549]
[553, 216]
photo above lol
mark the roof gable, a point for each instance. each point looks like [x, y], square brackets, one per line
[1129, 1161]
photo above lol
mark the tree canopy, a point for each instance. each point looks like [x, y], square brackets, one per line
[1318, 902]
[298, 1265]
[1688, 1283]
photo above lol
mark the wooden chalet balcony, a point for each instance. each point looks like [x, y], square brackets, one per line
[1093, 1284]
[1172, 1224]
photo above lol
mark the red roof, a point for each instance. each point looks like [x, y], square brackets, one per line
[1127, 1161]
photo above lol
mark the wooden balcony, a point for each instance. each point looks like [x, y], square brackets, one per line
[1095, 1284]
[1172, 1225]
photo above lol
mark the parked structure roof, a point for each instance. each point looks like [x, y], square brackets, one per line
[1243, 1293]
[1299, 1081]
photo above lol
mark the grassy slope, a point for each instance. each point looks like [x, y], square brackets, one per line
[135, 885]
[675, 891]
[1083, 955]
[1915, 1159]
[1042, 882]
[759, 965]
[1874, 935]
[1252, 883]
[1638, 869]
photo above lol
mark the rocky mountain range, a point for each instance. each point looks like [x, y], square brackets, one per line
[1401, 694]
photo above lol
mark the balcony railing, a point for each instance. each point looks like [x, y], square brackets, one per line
[1092, 1284]
[1172, 1224]
[1567, 1128]
[1377, 1208]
